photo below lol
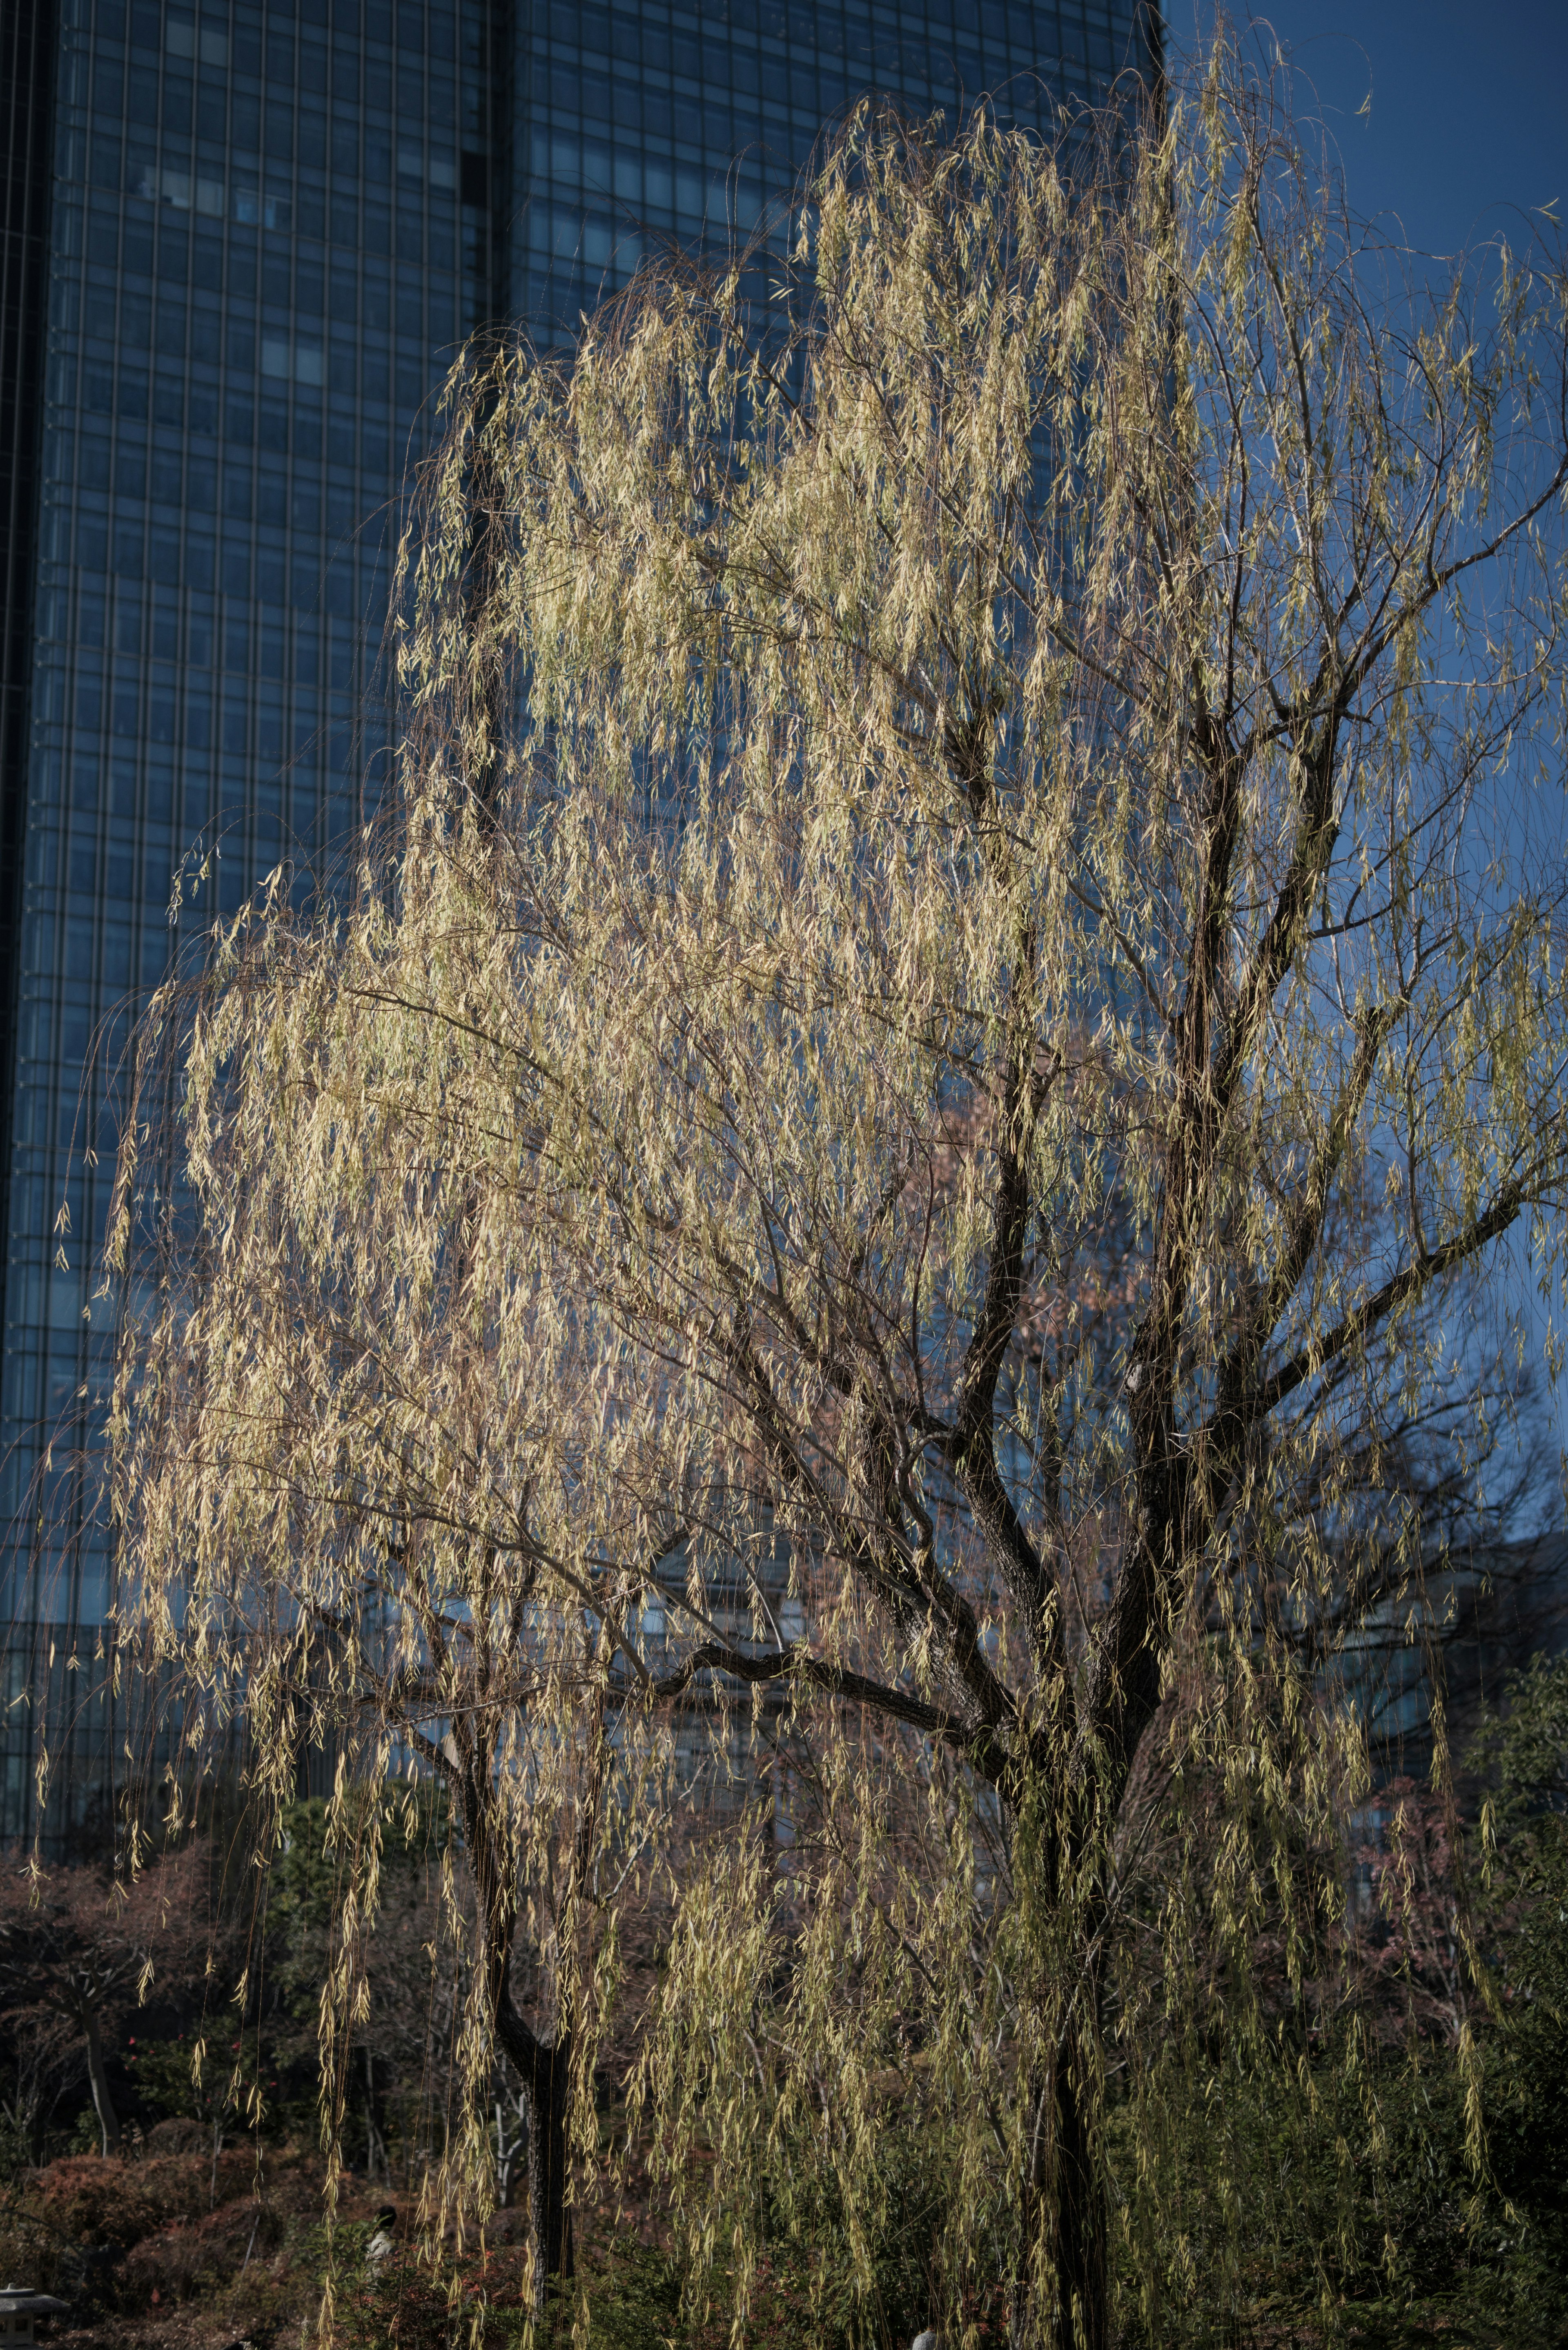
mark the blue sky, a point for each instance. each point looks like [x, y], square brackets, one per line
[1468, 121]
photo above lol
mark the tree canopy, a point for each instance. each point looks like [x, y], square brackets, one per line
[970, 949]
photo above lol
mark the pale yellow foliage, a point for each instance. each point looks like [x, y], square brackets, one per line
[972, 932]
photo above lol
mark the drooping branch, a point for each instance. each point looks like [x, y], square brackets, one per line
[794, 1663]
[1369, 1316]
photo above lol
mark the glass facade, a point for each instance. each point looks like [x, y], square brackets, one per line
[258, 236]
[633, 125]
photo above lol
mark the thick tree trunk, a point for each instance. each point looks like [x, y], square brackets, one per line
[1061, 2291]
[548, 2217]
[544, 2068]
[545, 2075]
[103, 2104]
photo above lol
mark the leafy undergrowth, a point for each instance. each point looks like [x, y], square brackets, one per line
[191, 2251]
[182, 2250]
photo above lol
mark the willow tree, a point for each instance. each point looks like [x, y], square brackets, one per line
[970, 947]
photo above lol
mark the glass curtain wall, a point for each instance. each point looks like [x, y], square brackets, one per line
[256, 276]
[633, 124]
[269, 229]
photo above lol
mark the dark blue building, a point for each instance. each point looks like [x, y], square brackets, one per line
[243, 243]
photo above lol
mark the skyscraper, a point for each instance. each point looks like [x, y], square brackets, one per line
[243, 243]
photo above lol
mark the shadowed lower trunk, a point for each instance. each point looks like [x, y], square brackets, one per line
[544, 2068]
[1061, 2291]
[545, 2075]
[547, 2213]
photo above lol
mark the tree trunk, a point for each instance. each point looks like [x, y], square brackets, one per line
[103, 2104]
[549, 2221]
[545, 2073]
[544, 2068]
[1061, 2291]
